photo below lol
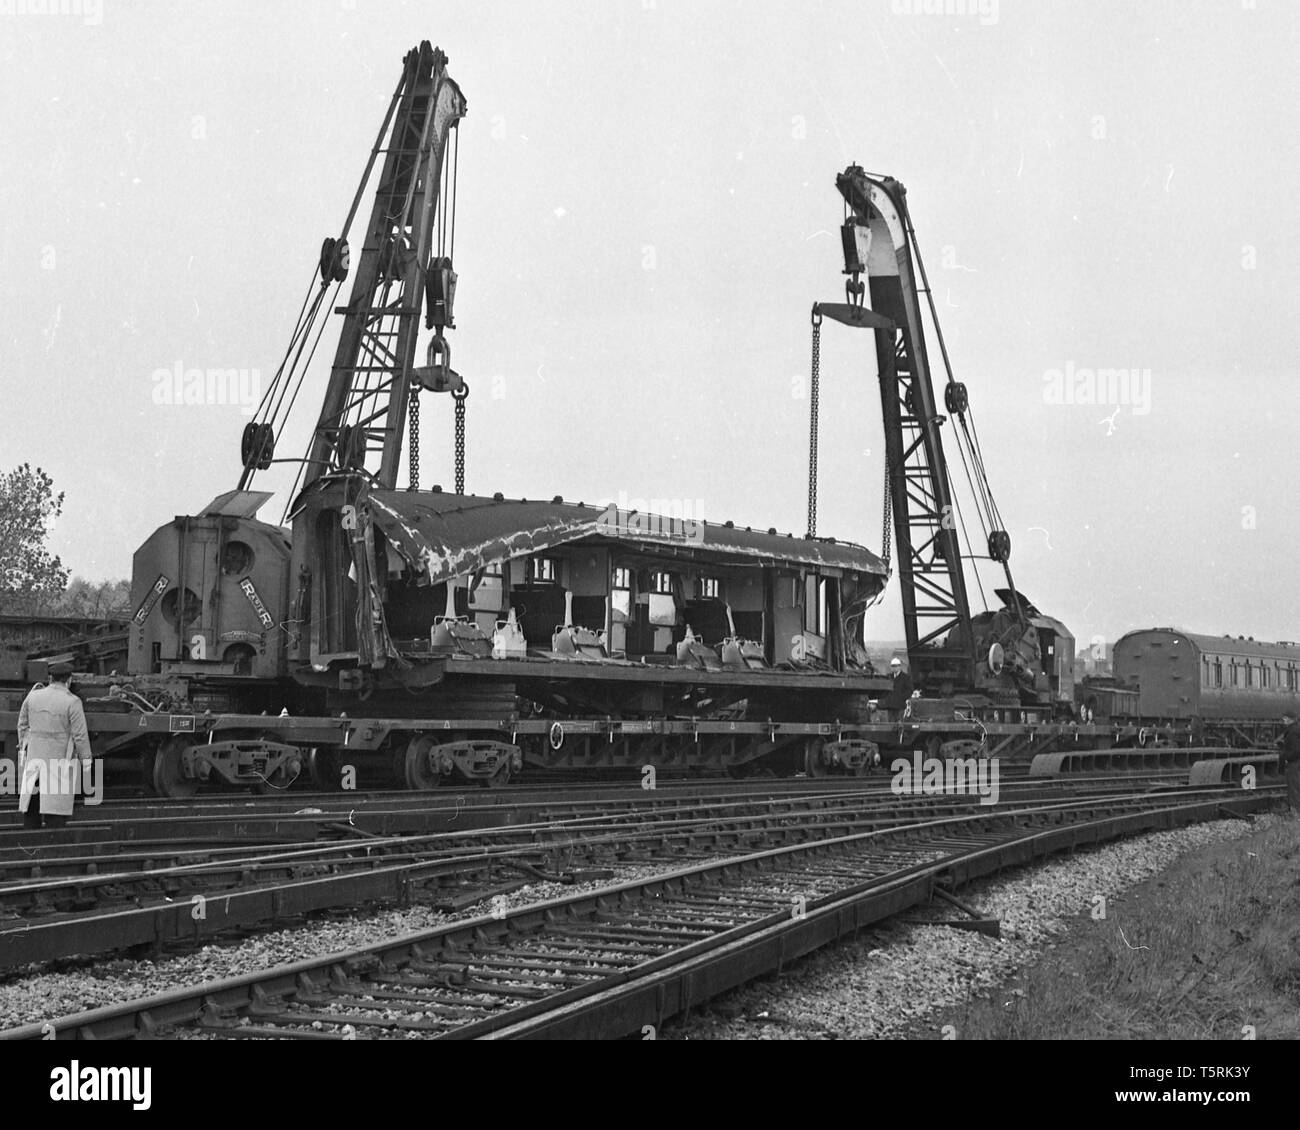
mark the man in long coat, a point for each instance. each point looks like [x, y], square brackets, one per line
[52, 739]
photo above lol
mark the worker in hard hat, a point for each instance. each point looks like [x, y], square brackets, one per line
[901, 690]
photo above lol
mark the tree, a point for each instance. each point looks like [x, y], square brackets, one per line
[106, 600]
[29, 573]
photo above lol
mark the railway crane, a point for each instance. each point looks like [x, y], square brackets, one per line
[235, 595]
[240, 619]
[1012, 653]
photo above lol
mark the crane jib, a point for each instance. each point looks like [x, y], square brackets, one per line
[949, 647]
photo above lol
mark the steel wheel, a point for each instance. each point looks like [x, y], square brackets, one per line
[398, 766]
[813, 764]
[498, 779]
[147, 761]
[325, 770]
[168, 777]
[418, 775]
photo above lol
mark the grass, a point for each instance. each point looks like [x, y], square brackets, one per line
[1204, 950]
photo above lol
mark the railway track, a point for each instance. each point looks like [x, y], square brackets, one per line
[220, 818]
[60, 902]
[607, 962]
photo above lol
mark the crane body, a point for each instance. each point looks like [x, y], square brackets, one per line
[1009, 653]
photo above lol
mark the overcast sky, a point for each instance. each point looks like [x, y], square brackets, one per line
[647, 210]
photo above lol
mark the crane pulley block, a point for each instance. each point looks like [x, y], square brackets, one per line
[257, 445]
[440, 294]
[436, 374]
[856, 237]
[350, 447]
[335, 259]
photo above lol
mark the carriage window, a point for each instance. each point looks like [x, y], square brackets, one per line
[814, 607]
[710, 588]
[621, 593]
[543, 570]
[663, 582]
[488, 588]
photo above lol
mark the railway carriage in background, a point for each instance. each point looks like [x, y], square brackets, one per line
[1233, 690]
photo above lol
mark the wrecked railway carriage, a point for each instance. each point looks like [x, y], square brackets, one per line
[440, 606]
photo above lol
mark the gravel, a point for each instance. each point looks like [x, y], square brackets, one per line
[38, 994]
[877, 985]
[885, 982]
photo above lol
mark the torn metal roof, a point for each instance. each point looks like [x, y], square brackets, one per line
[450, 535]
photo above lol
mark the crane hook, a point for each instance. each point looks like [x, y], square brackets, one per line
[436, 374]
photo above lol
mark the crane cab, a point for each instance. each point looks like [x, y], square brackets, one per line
[209, 592]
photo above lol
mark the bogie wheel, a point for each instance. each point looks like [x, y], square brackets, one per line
[418, 775]
[813, 764]
[168, 778]
[147, 760]
[399, 765]
[325, 770]
[498, 780]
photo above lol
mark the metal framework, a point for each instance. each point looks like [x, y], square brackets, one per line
[364, 411]
[932, 582]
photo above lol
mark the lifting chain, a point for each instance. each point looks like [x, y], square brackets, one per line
[887, 511]
[814, 393]
[413, 447]
[460, 396]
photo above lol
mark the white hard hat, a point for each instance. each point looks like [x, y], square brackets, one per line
[895, 662]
